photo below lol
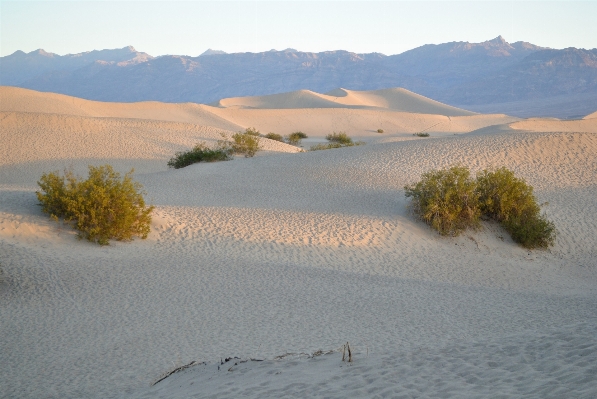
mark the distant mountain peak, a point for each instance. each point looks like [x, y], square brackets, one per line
[212, 52]
[498, 40]
[41, 51]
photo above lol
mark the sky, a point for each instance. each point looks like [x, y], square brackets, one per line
[191, 27]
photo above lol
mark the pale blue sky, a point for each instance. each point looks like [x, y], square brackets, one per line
[190, 27]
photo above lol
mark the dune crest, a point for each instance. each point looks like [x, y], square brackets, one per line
[394, 99]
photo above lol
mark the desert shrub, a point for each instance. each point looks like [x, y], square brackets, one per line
[251, 131]
[101, 208]
[511, 201]
[295, 138]
[336, 140]
[450, 201]
[326, 146]
[199, 153]
[274, 136]
[379, 130]
[340, 137]
[503, 196]
[531, 230]
[446, 199]
[242, 143]
[421, 134]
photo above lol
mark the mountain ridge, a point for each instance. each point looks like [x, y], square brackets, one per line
[456, 73]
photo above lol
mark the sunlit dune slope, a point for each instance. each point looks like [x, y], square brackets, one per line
[24, 100]
[396, 111]
[586, 125]
[395, 99]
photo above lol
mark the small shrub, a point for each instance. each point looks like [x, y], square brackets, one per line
[101, 208]
[511, 201]
[251, 131]
[200, 153]
[322, 146]
[379, 130]
[340, 137]
[295, 138]
[503, 196]
[274, 136]
[446, 199]
[243, 143]
[421, 134]
[531, 230]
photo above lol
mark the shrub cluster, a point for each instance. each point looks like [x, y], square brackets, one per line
[101, 208]
[379, 130]
[421, 134]
[336, 140]
[450, 201]
[251, 131]
[274, 136]
[246, 143]
[295, 138]
[200, 153]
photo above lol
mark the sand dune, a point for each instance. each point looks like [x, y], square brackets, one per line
[14, 99]
[315, 120]
[591, 116]
[395, 99]
[588, 125]
[291, 253]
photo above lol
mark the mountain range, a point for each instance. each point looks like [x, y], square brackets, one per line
[520, 79]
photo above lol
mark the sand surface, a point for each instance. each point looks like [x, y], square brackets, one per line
[292, 252]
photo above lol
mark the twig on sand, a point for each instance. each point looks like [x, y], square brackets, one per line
[176, 370]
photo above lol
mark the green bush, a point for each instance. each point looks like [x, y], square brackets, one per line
[503, 196]
[336, 140]
[295, 138]
[531, 230]
[101, 208]
[379, 130]
[199, 153]
[446, 199]
[274, 136]
[421, 134]
[511, 201]
[340, 137]
[251, 131]
[327, 146]
[245, 143]
[450, 201]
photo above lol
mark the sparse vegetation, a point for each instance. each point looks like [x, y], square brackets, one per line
[336, 140]
[379, 130]
[246, 143]
[295, 138]
[446, 199]
[200, 153]
[340, 137]
[101, 208]
[251, 131]
[421, 134]
[274, 136]
[450, 201]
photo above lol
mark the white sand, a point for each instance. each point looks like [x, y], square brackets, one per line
[292, 252]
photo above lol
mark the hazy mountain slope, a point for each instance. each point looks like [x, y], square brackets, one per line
[546, 73]
[457, 73]
[20, 67]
